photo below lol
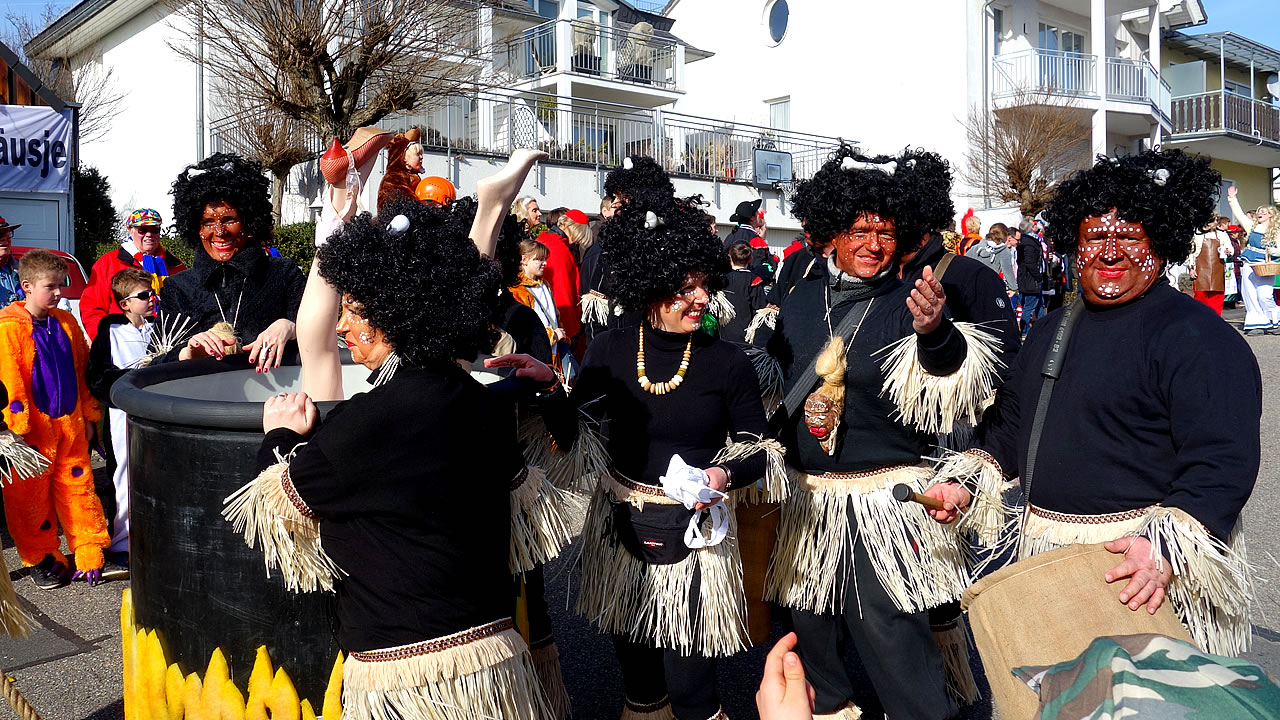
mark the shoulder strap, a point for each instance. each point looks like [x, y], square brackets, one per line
[943, 264]
[1050, 372]
[804, 385]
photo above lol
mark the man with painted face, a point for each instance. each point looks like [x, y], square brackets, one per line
[869, 364]
[1150, 433]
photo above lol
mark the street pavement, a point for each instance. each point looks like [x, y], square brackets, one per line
[69, 667]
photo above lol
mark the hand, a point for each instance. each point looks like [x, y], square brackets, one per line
[526, 367]
[717, 479]
[926, 302]
[205, 344]
[294, 411]
[956, 497]
[1231, 191]
[266, 351]
[1193, 273]
[783, 693]
[1147, 579]
[93, 577]
[558, 335]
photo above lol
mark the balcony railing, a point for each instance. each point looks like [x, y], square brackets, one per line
[1220, 112]
[1054, 72]
[577, 132]
[235, 133]
[595, 51]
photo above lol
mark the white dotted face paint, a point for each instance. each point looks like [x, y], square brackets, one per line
[1114, 260]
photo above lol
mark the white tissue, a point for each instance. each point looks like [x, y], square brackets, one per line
[688, 486]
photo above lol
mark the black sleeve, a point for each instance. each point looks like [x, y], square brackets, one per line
[755, 297]
[280, 440]
[101, 374]
[530, 335]
[942, 351]
[997, 432]
[747, 422]
[560, 411]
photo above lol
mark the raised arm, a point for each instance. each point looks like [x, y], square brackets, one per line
[317, 346]
[1241, 218]
[495, 195]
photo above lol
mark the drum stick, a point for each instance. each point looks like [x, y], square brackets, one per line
[903, 493]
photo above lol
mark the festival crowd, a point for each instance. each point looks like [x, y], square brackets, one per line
[844, 432]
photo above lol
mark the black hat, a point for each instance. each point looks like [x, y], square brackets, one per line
[746, 211]
[4, 225]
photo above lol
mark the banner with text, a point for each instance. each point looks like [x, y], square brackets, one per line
[35, 148]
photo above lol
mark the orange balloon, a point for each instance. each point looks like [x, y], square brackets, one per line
[435, 189]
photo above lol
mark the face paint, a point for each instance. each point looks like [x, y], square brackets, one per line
[822, 417]
[682, 313]
[866, 249]
[1114, 260]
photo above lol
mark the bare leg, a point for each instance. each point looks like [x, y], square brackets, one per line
[495, 195]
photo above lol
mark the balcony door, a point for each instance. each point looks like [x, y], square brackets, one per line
[1063, 66]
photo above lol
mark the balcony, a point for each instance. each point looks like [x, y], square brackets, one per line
[1228, 126]
[590, 51]
[1074, 75]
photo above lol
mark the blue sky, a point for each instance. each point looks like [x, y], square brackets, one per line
[1255, 19]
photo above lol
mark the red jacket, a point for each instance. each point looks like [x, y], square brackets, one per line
[561, 274]
[96, 301]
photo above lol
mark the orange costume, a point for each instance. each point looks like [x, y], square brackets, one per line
[63, 493]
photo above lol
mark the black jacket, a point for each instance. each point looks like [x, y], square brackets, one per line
[1030, 265]
[745, 292]
[254, 290]
[763, 264]
[975, 294]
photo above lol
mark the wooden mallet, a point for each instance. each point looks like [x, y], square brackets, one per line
[903, 493]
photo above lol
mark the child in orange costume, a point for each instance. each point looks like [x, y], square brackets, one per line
[43, 368]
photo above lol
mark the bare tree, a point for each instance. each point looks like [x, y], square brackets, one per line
[82, 79]
[1018, 153]
[335, 65]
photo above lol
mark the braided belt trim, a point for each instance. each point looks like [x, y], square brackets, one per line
[434, 646]
[985, 456]
[520, 477]
[654, 491]
[294, 498]
[1091, 519]
[863, 473]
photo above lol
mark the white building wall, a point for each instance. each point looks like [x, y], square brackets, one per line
[154, 135]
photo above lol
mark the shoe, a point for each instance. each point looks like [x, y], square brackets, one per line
[49, 574]
[1251, 333]
[115, 566]
[1272, 331]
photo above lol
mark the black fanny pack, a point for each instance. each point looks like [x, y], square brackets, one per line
[655, 534]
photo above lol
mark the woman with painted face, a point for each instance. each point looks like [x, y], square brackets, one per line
[235, 296]
[1150, 438]
[873, 370]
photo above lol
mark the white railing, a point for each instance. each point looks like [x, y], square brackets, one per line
[579, 132]
[594, 50]
[1126, 79]
[1051, 72]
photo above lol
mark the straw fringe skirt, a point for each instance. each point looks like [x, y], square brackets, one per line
[651, 603]
[1211, 588]
[919, 562]
[484, 672]
[542, 520]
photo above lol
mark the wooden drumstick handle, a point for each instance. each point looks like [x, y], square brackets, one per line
[903, 493]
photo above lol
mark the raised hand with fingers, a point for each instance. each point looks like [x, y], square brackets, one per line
[526, 367]
[926, 302]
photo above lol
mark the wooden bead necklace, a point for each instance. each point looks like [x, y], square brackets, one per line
[662, 388]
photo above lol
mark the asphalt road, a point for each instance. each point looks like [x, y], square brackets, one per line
[69, 668]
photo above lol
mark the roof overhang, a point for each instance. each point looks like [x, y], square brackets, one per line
[83, 25]
[1235, 49]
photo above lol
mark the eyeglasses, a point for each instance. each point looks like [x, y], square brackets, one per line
[147, 229]
[141, 295]
[225, 223]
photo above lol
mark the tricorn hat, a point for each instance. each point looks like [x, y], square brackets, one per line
[6, 227]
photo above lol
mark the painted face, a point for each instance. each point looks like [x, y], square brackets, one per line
[221, 231]
[533, 267]
[146, 238]
[44, 292]
[142, 301]
[866, 249]
[6, 240]
[682, 312]
[1114, 260]
[368, 346]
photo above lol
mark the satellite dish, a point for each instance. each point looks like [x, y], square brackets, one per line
[1273, 85]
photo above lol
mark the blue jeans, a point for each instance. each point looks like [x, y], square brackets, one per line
[1032, 310]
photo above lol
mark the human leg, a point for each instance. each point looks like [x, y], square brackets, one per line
[28, 505]
[691, 681]
[119, 529]
[644, 681]
[78, 509]
[1253, 288]
[820, 642]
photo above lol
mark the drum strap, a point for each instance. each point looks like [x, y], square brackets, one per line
[1050, 372]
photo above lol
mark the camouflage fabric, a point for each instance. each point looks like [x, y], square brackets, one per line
[1151, 676]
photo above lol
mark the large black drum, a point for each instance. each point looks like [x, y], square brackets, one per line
[194, 432]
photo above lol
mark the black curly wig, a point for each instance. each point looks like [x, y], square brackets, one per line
[830, 201]
[646, 266]
[645, 183]
[223, 177]
[509, 236]
[1171, 214]
[428, 289]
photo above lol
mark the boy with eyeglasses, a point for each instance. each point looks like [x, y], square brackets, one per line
[141, 249]
[121, 345]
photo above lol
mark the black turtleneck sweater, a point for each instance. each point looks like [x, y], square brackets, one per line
[868, 436]
[1159, 401]
[719, 397]
[410, 481]
[264, 288]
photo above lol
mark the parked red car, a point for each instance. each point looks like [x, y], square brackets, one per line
[77, 278]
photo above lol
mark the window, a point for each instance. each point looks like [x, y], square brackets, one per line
[549, 9]
[776, 17]
[997, 29]
[780, 113]
[1234, 88]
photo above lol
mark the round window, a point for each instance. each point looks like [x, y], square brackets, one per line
[776, 16]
